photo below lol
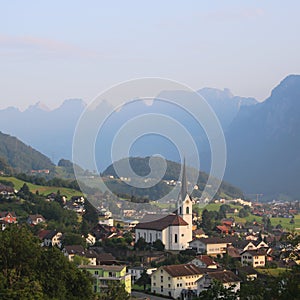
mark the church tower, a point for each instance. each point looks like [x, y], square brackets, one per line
[185, 205]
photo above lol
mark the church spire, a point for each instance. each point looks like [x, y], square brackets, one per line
[184, 190]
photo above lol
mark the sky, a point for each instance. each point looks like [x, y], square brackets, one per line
[56, 50]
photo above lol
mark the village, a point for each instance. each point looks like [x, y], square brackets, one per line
[178, 255]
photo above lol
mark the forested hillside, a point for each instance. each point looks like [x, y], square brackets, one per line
[22, 157]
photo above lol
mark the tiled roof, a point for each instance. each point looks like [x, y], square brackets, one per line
[43, 233]
[255, 252]
[169, 220]
[106, 257]
[182, 270]
[206, 260]
[224, 276]
[233, 252]
[216, 240]
[5, 213]
[103, 267]
[35, 217]
[75, 249]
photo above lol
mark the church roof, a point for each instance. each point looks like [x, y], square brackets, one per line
[169, 220]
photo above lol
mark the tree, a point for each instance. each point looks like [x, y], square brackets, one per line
[114, 291]
[144, 280]
[243, 213]
[28, 271]
[158, 245]
[141, 244]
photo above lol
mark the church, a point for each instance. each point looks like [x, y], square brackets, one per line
[174, 230]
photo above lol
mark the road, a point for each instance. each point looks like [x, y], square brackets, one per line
[140, 295]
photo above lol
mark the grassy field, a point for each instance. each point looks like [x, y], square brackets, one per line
[272, 272]
[43, 190]
[284, 222]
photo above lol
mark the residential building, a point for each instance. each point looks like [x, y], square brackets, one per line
[211, 246]
[175, 280]
[78, 250]
[227, 278]
[136, 273]
[204, 261]
[103, 275]
[35, 219]
[50, 238]
[8, 217]
[254, 258]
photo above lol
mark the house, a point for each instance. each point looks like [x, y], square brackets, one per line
[211, 246]
[174, 280]
[6, 190]
[50, 238]
[136, 273]
[78, 250]
[247, 272]
[254, 258]
[35, 219]
[174, 230]
[8, 217]
[104, 274]
[227, 278]
[90, 239]
[199, 233]
[204, 261]
[106, 259]
[223, 229]
[243, 245]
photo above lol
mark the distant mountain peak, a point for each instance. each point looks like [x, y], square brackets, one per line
[216, 93]
[38, 106]
[291, 84]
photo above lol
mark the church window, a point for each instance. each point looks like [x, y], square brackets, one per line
[176, 238]
[187, 210]
[180, 210]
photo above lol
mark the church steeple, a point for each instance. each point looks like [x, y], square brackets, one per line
[184, 190]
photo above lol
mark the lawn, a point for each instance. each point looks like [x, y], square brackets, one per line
[272, 272]
[43, 190]
[284, 222]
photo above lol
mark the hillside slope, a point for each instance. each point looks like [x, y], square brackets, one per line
[22, 157]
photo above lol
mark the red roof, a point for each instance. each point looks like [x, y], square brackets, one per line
[170, 220]
[182, 270]
[208, 261]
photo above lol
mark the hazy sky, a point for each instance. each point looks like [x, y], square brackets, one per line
[54, 50]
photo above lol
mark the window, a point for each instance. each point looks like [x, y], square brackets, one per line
[169, 285]
[161, 289]
[182, 234]
[154, 284]
[187, 210]
[96, 272]
[161, 278]
[175, 239]
[150, 237]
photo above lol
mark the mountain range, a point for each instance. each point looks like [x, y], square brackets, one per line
[262, 138]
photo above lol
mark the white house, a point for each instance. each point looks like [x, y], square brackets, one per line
[174, 230]
[211, 246]
[175, 280]
[254, 258]
[204, 261]
[227, 278]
